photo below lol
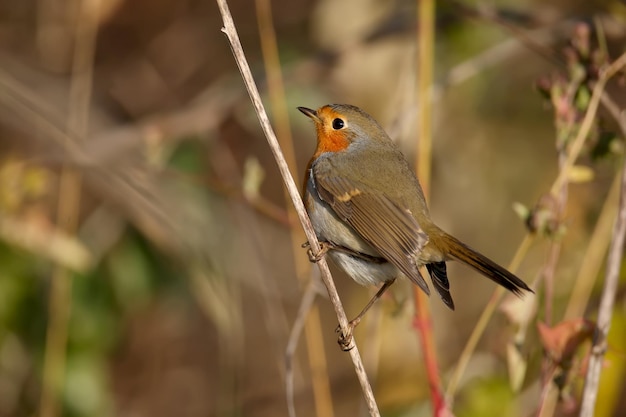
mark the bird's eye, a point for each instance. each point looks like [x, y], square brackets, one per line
[338, 124]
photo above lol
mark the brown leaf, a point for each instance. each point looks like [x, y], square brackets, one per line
[562, 340]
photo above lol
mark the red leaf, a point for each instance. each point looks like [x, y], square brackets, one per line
[562, 340]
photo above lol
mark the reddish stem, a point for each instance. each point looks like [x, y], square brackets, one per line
[422, 322]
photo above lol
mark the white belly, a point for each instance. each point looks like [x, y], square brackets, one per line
[365, 272]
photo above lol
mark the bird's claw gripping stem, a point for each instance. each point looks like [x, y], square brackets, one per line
[316, 257]
[346, 339]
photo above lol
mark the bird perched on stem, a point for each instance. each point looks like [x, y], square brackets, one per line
[369, 212]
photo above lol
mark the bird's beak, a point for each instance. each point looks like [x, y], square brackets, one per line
[310, 113]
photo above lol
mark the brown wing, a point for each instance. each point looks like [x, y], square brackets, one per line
[388, 228]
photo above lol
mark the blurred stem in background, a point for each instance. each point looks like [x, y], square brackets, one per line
[68, 211]
[60, 303]
[425, 67]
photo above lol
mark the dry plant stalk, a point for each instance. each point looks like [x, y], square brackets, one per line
[231, 32]
[68, 213]
[306, 306]
[594, 255]
[422, 321]
[614, 263]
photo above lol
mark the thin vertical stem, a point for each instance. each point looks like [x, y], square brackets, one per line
[613, 268]
[425, 41]
[594, 255]
[614, 263]
[423, 318]
[68, 211]
[59, 309]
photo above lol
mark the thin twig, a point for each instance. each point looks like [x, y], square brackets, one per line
[548, 271]
[68, 213]
[499, 53]
[614, 262]
[594, 255]
[549, 396]
[231, 32]
[425, 41]
[587, 123]
[490, 14]
[422, 321]
[306, 306]
[619, 115]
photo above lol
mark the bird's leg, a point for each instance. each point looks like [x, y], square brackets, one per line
[345, 339]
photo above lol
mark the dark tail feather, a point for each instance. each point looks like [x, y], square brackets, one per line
[439, 277]
[484, 265]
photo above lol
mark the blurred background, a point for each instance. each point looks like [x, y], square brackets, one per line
[149, 262]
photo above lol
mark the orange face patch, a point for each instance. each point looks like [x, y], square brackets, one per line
[329, 139]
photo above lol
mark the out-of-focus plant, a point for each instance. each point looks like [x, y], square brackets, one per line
[570, 93]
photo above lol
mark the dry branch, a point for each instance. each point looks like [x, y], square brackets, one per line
[614, 263]
[231, 33]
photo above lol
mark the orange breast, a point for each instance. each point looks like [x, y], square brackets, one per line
[333, 141]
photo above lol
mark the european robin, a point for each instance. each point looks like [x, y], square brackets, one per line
[369, 212]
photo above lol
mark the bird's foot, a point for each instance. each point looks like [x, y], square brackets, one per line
[346, 339]
[316, 257]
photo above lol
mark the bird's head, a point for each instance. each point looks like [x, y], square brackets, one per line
[340, 125]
